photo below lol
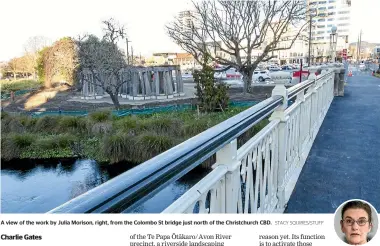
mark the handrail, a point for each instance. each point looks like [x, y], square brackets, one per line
[135, 186]
[294, 90]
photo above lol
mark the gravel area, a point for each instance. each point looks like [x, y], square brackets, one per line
[59, 98]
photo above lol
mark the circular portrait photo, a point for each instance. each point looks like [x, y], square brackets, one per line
[356, 222]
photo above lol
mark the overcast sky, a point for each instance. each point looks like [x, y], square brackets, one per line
[145, 21]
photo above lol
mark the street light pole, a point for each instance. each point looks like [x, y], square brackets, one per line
[132, 56]
[333, 41]
[309, 61]
[127, 41]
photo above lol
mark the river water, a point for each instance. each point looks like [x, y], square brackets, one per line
[38, 187]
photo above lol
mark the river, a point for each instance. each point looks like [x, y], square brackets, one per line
[39, 186]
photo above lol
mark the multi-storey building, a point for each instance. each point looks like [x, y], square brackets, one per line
[326, 14]
[187, 20]
[298, 50]
[293, 44]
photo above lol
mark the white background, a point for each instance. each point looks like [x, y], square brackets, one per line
[120, 235]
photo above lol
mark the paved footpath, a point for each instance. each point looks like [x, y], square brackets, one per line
[344, 162]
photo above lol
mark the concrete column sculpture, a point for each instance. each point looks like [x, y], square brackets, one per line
[179, 82]
[148, 90]
[169, 85]
[166, 82]
[85, 86]
[161, 82]
[156, 81]
[134, 84]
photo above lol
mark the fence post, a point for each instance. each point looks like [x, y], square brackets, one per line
[279, 114]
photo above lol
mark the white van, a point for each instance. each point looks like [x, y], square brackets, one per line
[261, 75]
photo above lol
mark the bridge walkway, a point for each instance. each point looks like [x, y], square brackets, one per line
[344, 162]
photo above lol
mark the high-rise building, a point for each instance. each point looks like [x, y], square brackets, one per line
[326, 14]
[187, 20]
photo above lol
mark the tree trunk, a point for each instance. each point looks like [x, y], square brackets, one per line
[47, 82]
[115, 100]
[247, 79]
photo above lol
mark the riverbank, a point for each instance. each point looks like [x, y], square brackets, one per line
[104, 137]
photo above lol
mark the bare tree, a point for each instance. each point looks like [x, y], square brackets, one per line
[237, 28]
[32, 46]
[113, 31]
[104, 60]
[15, 66]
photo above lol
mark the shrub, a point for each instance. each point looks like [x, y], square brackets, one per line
[65, 140]
[46, 143]
[71, 123]
[161, 125]
[212, 96]
[117, 147]
[9, 150]
[11, 125]
[46, 124]
[4, 115]
[100, 116]
[54, 142]
[22, 140]
[195, 127]
[150, 144]
[126, 124]
[101, 128]
[28, 122]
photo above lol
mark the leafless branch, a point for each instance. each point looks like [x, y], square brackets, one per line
[236, 29]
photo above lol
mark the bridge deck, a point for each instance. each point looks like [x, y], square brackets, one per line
[344, 162]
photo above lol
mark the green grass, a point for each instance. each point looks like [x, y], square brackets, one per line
[16, 85]
[105, 138]
[377, 75]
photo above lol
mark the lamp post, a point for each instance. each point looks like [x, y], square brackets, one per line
[333, 41]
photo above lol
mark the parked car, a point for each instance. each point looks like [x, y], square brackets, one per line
[261, 76]
[231, 73]
[286, 68]
[187, 75]
[274, 68]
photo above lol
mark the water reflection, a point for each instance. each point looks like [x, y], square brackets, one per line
[164, 198]
[37, 186]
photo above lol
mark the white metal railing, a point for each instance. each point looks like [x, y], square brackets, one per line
[260, 176]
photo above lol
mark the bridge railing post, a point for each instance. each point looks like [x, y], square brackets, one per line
[313, 104]
[227, 156]
[300, 99]
[337, 80]
[279, 114]
[341, 81]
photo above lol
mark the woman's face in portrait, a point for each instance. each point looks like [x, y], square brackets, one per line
[355, 226]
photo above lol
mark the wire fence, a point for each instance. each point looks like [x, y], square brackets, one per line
[137, 111]
[5, 96]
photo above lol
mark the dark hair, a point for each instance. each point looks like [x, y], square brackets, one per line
[358, 204]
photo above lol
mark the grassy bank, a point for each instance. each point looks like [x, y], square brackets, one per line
[16, 85]
[103, 137]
